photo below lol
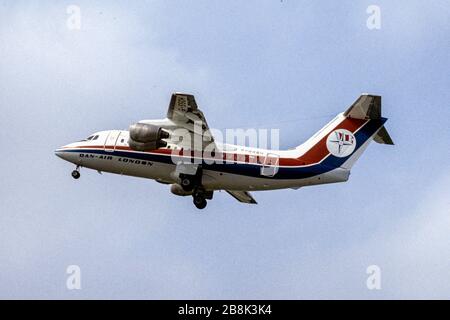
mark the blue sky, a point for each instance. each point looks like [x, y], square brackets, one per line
[290, 65]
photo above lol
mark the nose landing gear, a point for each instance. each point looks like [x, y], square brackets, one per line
[76, 173]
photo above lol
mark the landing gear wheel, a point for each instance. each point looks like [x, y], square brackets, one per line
[76, 174]
[200, 202]
[187, 184]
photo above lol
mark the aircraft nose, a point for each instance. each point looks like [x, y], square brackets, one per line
[60, 152]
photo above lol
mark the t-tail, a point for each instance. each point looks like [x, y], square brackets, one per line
[340, 143]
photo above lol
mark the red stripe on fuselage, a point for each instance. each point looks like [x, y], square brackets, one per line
[319, 150]
[314, 155]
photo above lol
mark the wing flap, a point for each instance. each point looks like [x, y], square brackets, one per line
[242, 196]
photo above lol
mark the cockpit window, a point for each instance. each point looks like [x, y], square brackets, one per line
[90, 138]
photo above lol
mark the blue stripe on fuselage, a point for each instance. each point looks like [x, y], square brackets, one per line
[251, 169]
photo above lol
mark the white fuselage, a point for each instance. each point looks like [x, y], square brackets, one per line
[183, 151]
[109, 152]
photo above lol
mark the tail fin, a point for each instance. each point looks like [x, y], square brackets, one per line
[367, 107]
[342, 141]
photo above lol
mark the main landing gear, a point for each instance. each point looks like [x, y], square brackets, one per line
[199, 199]
[76, 173]
[200, 195]
[187, 183]
[192, 183]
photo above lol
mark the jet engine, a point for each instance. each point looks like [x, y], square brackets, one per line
[178, 190]
[145, 136]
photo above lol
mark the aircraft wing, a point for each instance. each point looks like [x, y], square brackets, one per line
[184, 112]
[242, 196]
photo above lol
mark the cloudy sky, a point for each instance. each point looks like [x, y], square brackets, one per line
[285, 64]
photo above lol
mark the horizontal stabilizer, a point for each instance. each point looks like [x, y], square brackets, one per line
[367, 106]
[383, 137]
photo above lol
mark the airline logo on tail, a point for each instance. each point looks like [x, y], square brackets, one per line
[341, 143]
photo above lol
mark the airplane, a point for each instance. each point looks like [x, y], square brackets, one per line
[155, 149]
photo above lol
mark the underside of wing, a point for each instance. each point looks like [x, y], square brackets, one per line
[184, 112]
[180, 104]
[242, 196]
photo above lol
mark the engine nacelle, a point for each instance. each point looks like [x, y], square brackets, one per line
[145, 136]
[176, 189]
